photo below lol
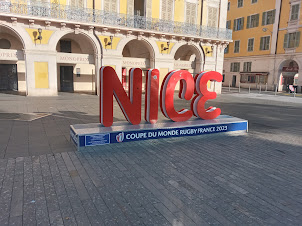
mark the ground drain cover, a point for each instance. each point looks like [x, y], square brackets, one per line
[22, 117]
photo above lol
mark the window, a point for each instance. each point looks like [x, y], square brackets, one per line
[268, 17]
[254, 1]
[264, 43]
[240, 3]
[229, 6]
[294, 12]
[250, 45]
[252, 21]
[190, 12]
[237, 46]
[167, 9]
[235, 67]
[226, 50]
[110, 5]
[65, 46]
[260, 79]
[291, 40]
[4, 44]
[212, 16]
[238, 24]
[247, 66]
[228, 24]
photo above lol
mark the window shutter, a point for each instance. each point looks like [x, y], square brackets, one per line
[235, 24]
[257, 20]
[263, 18]
[149, 8]
[114, 6]
[164, 9]
[242, 25]
[261, 43]
[274, 14]
[170, 10]
[285, 43]
[248, 21]
[232, 67]
[130, 7]
[297, 40]
[106, 5]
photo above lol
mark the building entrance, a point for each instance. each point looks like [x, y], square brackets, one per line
[8, 77]
[234, 81]
[66, 78]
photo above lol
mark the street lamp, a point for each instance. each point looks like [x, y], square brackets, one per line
[40, 36]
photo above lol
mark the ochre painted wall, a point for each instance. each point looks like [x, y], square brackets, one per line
[155, 8]
[162, 45]
[106, 39]
[256, 33]
[179, 11]
[41, 75]
[33, 33]
[123, 6]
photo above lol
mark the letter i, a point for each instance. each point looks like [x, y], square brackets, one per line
[151, 96]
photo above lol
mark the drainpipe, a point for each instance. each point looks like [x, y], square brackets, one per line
[277, 47]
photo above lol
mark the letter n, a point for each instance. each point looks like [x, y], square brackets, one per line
[110, 86]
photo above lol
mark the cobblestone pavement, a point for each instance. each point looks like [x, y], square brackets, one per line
[252, 179]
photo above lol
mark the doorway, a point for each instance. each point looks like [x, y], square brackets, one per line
[66, 78]
[234, 81]
[8, 77]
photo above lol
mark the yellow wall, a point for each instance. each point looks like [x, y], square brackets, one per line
[179, 7]
[284, 17]
[41, 75]
[155, 8]
[123, 6]
[33, 33]
[161, 45]
[105, 39]
[256, 33]
[210, 54]
[90, 4]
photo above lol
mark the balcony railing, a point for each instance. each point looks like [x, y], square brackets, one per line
[70, 13]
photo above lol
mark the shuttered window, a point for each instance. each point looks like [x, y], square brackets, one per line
[294, 12]
[167, 9]
[254, 1]
[228, 24]
[291, 40]
[235, 67]
[268, 17]
[191, 10]
[238, 24]
[247, 66]
[212, 16]
[77, 3]
[264, 43]
[130, 7]
[240, 3]
[110, 5]
[149, 8]
[252, 21]
[250, 45]
[237, 46]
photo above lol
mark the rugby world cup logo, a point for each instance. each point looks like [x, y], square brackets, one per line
[120, 137]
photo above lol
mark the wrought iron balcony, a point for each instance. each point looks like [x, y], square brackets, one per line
[70, 13]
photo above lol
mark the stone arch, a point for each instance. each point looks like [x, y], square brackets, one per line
[16, 34]
[288, 71]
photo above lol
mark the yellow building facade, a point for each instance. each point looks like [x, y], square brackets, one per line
[266, 49]
[51, 46]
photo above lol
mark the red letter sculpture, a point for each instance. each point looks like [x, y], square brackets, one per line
[111, 86]
[198, 102]
[151, 96]
[167, 94]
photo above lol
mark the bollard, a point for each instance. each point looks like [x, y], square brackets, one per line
[239, 87]
[249, 88]
[229, 86]
[295, 93]
[276, 90]
[260, 89]
[265, 87]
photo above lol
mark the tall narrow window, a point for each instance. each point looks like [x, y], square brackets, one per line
[229, 6]
[291, 40]
[228, 24]
[238, 24]
[212, 16]
[264, 43]
[254, 1]
[250, 45]
[110, 5]
[237, 46]
[294, 12]
[191, 11]
[247, 66]
[235, 67]
[268, 17]
[167, 10]
[252, 21]
[240, 3]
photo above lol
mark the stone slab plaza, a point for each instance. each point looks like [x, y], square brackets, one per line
[216, 179]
